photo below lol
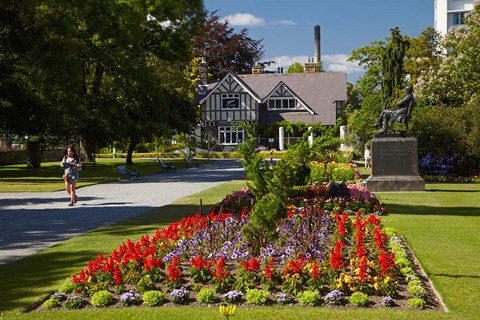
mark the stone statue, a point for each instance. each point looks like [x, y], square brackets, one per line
[400, 114]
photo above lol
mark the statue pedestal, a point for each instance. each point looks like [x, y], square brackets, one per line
[394, 165]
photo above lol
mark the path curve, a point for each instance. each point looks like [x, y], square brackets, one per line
[30, 222]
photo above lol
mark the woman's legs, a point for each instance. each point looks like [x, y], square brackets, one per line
[73, 192]
[70, 188]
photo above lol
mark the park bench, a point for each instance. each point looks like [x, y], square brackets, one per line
[166, 166]
[127, 174]
[191, 163]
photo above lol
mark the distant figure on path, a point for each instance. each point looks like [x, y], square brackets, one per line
[72, 165]
[368, 157]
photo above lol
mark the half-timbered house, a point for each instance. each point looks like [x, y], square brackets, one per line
[310, 97]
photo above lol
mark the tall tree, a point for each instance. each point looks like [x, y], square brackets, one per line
[392, 58]
[38, 73]
[225, 50]
[89, 69]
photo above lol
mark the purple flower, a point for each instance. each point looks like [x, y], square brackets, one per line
[334, 297]
[130, 297]
[233, 296]
[388, 301]
[179, 295]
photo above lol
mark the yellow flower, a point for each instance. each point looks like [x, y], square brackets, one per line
[376, 286]
[387, 280]
[228, 311]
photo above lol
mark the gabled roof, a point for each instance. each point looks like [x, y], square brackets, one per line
[280, 84]
[317, 91]
[213, 86]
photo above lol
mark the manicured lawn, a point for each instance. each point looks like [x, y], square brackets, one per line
[441, 225]
[18, 178]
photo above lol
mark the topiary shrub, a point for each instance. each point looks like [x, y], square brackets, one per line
[101, 298]
[51, 303]
[257, 296]
[154, 298]
[309, 298]
[359, 299]
[207, 295]
[416, 302]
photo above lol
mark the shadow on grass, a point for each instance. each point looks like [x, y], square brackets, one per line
[429, 210]
[455, 275]
[33, 278]
[29, 280]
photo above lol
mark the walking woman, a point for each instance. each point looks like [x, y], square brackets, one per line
[72, 165]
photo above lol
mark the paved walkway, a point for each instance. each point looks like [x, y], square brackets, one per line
[30, 222]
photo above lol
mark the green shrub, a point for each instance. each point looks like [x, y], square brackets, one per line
[102, 298]
[154, 298]
[416, 302]
[145, 284]
[257, 296]
[415, 282]
[408, 271]
[207, 295]
[51, 303]
[359, 299]
[309, 297]
[67, 286]
[403, 262]
[417, 291]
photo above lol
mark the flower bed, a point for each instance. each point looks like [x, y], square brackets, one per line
[322, 256]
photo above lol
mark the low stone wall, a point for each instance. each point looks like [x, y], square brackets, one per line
[21, 156]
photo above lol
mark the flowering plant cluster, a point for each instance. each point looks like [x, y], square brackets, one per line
[324, 172]
[328, 252]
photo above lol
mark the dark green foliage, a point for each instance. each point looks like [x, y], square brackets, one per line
[392, 65]
[450, 132]
[272, 185]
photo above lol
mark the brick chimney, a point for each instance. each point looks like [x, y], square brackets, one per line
[202, 85]
[257, 68]
[310, 66]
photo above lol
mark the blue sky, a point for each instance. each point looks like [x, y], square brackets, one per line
[287, 27]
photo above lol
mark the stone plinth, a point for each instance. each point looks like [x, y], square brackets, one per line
[395, 165]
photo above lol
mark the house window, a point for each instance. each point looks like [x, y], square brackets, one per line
[340, 105]
[230, 135]
[281, 104]
[230, 101]
[458, 18]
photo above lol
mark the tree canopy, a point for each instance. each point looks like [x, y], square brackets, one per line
[100, 70]
[225, 50]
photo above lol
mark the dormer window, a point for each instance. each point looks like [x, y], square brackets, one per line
[230, 101]
[282, 104]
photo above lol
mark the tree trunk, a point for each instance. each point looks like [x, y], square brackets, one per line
[35, 151]
[87, 151]
[131, 147]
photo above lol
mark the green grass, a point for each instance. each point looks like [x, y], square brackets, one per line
[19, 178]
[441, 225]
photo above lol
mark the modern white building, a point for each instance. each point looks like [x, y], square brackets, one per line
[450, 14]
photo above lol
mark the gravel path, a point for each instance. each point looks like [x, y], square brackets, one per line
[30, 222]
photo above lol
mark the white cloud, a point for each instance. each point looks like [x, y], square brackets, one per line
[331, 62]
[339, 63]
[245, 19]
[286, 61]
[284, 22]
